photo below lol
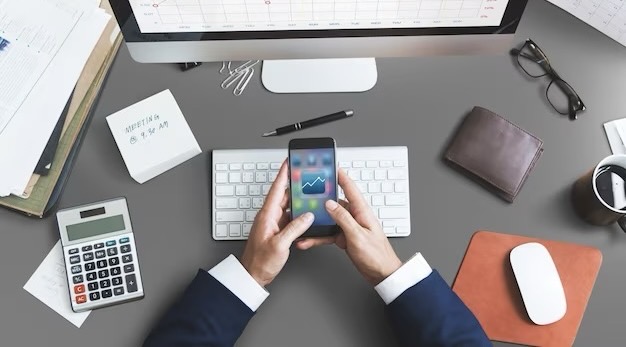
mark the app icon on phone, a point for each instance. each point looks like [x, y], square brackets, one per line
[314, 182]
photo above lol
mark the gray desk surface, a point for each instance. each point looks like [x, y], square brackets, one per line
[319, 299]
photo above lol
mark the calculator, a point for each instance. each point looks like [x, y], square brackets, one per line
[100, 254]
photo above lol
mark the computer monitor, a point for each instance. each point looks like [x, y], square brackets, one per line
[304, 42]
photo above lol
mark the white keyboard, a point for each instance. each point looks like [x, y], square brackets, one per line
[242, 178]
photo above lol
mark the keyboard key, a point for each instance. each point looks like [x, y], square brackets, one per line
[229, 216]
[373, 187]
[222, 203]
[225, 190]
[257, 203]
[235, 166]
[387, 187]
[94, 296]
[272, 176]
[101, 264]
[250, 215]
[87, 248]
[129, 268]
[396, 174]
[112, 251]
[344, 164]
[400, 187]
[93, 286]
[248, 166]
[248, 177]
[254, 190]
[380, 175]
[100, 254]
[73, 251]
[234, 177]
[77, 279]
[125, 248]
[127, 258]
[275, 166]
[389, 230]
[262, 166]
[396, 223]
[76, 269]
[354, 175]
[395, 200]
[105, 283]
[393, 212]
[371, 163]
[245, 203]
[241, 189]
[403, 230]
[399, 163]
[81, 299]
[221, 230]
[131, 283]
[116, 281]
[221, 167]
[221, 177]
[386, 163]
[118, 291]
[367, 175]
[358, 164]
[116, 271]
[246, 229]
[378, 200]
[234, 230]
[114, 261]
[261, 177]
[98, 245]
[111, 243]
[266, 189]
[362, 187]
[124, 240]
[91, 276]
[75, 259]
[107, 293]
[103, 273]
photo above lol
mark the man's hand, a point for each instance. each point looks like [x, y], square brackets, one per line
[267, 248]
[362, 238]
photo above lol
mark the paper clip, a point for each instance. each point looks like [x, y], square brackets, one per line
[243, 83]
[226, 66]
[246, 65]
[223, 68]
[231, 79]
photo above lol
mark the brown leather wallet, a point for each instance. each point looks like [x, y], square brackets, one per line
[494, 152]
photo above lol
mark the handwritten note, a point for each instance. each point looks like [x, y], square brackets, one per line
[153, 136]
[49, 284]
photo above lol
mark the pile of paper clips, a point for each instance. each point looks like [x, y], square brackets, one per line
[240, 75]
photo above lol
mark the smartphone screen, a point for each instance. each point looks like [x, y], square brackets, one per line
[313, 180]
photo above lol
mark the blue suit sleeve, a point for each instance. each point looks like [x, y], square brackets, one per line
[208, 315]
[431, 314]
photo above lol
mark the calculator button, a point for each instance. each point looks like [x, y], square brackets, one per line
[73, 251]
[112, 251]
[90, 266]
[105, 283]
[100, 254]
[131, 283]
[111, 243]
[98, 245]
[88, 256]
[76, 269]
[116, 271]
[91, 276]
[92, 286]
[86, 248]
[77, 279]
[79, 289]
[74, 259]
[116, 281]
[127, 258]
[101, 264]
[81, 299]
[103, 273]
[129, 268]
[94, 296]
[125, 248]
[107, 293]
[114, 261]
[124, 240]
[118, 290]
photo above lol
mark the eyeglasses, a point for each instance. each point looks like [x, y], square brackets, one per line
[559, 93]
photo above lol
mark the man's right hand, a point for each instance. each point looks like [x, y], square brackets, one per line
[362, 237]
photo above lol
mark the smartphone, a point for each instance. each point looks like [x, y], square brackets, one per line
[312, 181]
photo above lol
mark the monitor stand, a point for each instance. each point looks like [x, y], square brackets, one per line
[319, 75]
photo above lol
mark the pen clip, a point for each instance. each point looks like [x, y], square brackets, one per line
[243, 82]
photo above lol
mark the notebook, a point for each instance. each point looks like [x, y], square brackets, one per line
[485, 282]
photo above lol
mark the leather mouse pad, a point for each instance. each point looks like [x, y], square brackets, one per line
[486, 283]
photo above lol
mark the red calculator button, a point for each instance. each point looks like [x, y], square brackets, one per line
[81, 299]
[79, 289]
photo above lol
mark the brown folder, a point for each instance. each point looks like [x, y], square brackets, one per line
[485, 282]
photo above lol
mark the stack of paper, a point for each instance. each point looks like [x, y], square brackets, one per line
[44, 47]
[616, 133]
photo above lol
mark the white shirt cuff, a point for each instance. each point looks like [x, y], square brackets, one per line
[234, 276]
[408, 275]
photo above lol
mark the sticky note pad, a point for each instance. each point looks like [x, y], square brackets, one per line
[153, 136]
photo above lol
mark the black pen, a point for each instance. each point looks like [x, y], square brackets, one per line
[310, 123]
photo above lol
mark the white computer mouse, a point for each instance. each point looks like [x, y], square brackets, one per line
[539, 283]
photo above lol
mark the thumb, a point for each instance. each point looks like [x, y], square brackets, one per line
[297, 227]
[344, 219]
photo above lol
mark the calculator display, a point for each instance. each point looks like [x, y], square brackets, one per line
[95, 227]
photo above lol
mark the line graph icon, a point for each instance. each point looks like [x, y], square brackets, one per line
[314, 182]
